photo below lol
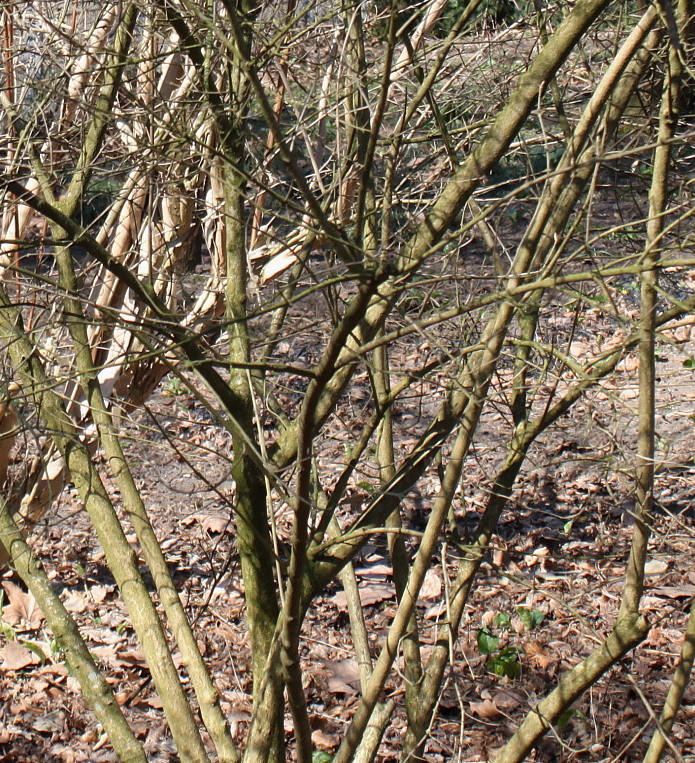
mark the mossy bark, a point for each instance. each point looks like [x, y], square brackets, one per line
[95, 689]
[119, 554]
[253, 527]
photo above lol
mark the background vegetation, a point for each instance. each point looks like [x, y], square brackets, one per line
[401, 269]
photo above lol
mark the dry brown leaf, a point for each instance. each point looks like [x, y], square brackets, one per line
[343, 675]
[372, 593]
[663, 636]
[485, 709]
[99, 593]
[323, 740]
[655, 567]
[675, 592]
[431, 585]
[50, 723]
[22, 611]
[507, 700]
[537, 655]
[436, 610]
[628, 364]
[16, 657]
[379, 570]
[76, 603]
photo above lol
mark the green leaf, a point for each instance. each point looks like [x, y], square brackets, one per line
[487, 643]
[503, 620]
[505, 664]
[565, 718]
[321, 756]
[689, 363]
[531, 618]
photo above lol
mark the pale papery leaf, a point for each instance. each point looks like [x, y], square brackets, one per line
[17, 657]
[507, 700]
[99, 593]
[22, 612]
[76, 603]
[343, 675]
[435, 611]
[378, 570]
[372, 593]
[51, 722]
[655, 567]
[431, 585]
[485, 709]
[277, 265]
[675, 592]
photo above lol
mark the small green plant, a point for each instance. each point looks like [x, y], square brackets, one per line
[531, 618]
[174, 387]
[487, 641]
[504, 661]
[6, 630]
[503, 620]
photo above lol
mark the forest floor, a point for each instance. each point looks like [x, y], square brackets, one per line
[548, 591]
[551, 586]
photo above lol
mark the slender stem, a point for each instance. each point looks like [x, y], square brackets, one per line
[95, 688]
[658, 201]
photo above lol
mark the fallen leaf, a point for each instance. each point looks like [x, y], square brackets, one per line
[323, 740]
[485, 709]
[431, 586]
[99, 593]
[76, 603]
[378, 571]
[507, 701]
[675, 592]
[435, 610]
[22, 609]
[16, 657]
[372, 593]
[344, 676]
[655, 567]
[628, 364]
[537, 655]
[49, 723]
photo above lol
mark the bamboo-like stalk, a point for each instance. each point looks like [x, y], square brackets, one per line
[119, 554]
[208, 698]
[85, 65]
[101, 111]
